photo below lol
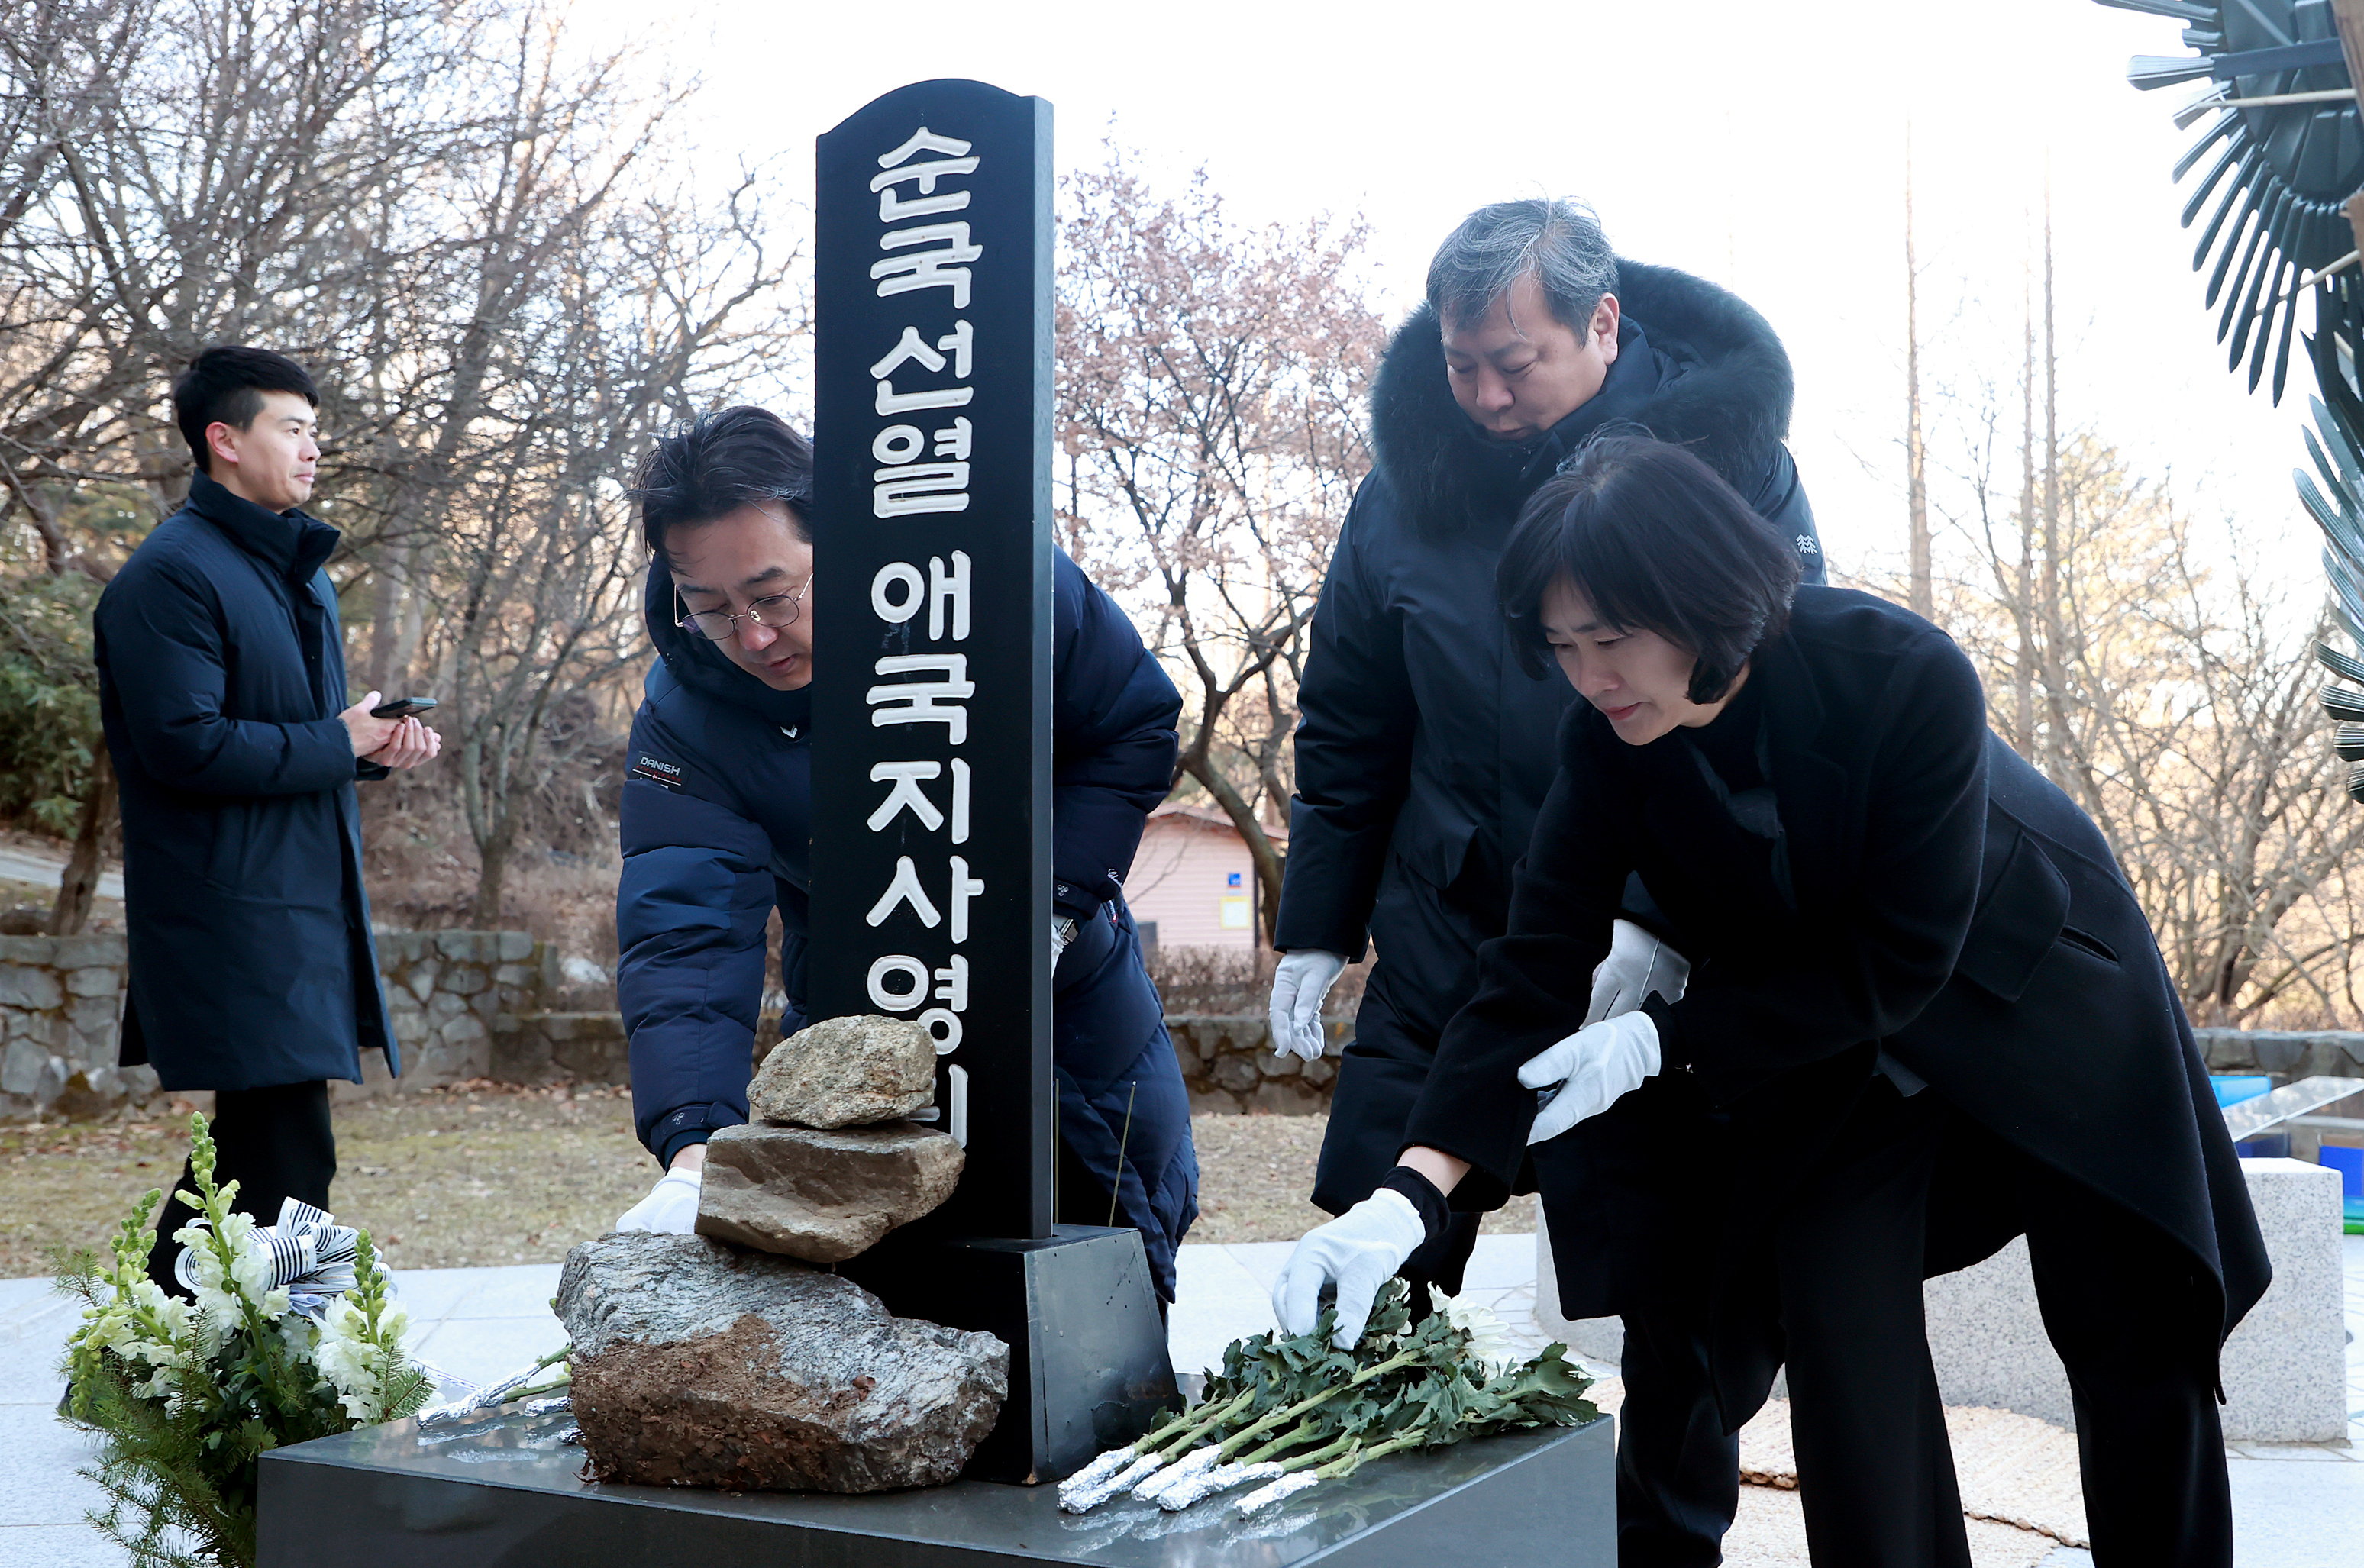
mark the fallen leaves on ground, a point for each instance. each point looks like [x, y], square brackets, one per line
[482, 1173]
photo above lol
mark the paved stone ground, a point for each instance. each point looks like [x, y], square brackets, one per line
[2295, 1507]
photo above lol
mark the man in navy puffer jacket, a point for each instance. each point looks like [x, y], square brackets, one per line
[716, 827]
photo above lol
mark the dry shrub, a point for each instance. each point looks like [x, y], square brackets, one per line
[423, 868]
[1236, 983]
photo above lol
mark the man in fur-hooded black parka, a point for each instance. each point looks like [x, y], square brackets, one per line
[1424, 753]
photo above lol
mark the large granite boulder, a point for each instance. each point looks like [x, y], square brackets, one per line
[850, 1072]
[696, 1365]
[823, 1196]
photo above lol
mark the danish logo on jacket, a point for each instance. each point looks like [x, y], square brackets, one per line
[649, 768]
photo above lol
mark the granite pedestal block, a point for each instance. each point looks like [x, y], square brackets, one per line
[2284, 1368]
[505, 1491]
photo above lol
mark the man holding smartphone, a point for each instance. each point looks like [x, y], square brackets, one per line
[222, 687]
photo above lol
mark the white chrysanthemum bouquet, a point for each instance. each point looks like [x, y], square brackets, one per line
[1289, 1412]
[291, 1337]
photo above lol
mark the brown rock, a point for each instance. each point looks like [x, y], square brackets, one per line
[850, 1072]
[823, 1196]
[696, 1365]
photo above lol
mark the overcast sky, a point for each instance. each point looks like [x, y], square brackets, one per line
[1761, 146]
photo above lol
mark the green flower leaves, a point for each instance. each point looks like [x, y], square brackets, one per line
[1297, 1407]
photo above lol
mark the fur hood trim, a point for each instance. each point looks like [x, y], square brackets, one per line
[1724, 389]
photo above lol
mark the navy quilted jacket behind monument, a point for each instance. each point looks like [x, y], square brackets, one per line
[221, 677]
[716, 830]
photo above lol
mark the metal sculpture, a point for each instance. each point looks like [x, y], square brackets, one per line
[2284, 200]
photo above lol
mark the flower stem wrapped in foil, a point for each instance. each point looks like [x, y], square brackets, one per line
[1083, 1499]
[1287, 1486]
[517, 1385]
[1181, 1470]
[1294, 1409]
[1221, 1478]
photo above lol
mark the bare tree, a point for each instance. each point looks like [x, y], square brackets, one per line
[598, 310]
[2181, 719]
[2133, 657]
[487, 245]
[1211, 412]
[1916, 451]
[2188, 731]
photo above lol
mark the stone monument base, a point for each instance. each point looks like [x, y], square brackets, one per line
[504, 1491]
[1089, 1368]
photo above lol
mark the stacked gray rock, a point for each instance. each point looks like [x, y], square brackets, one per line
[833, 1165]
[697, 1365]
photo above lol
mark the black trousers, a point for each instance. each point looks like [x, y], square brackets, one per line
[1866, 1423]
[2127, 1309]
[1678, 1469]
[1080, 1197]
[1836, 1291]
[275, 1143]
[1875, 1467]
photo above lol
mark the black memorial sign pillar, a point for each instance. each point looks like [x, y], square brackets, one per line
[931, 734]
[931, 793]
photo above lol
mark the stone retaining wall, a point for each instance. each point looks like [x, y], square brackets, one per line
[61, 1007]
[2284, 1054]
[463, 1004]
[558, 1048]
[470, 1005]
[1228, 1065]
[449, 993]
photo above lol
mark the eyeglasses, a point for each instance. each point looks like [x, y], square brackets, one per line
[777, 611]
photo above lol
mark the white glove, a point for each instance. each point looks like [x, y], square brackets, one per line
[1063, 931]
[1637, 964]
[1360, 1250]
[671, 1207]
[1303, 979]
[1594, 1068]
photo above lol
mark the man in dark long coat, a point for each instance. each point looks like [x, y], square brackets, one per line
[222, 689]
[1424, 753]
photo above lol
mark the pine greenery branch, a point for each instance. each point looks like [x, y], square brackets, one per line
[152, 1464]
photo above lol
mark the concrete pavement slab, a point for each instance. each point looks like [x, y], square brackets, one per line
[2292, 1511]
[57, 1546]
[2296, 1515]
[1263, 1259]
[518, 1290]
[38, 1454]
[1502, 1262]
[485, 1350]
[1221, 1299]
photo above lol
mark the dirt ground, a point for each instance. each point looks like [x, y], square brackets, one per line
[488, 1175]
[1254, 1174]
[33, 901]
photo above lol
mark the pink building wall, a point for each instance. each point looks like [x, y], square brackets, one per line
[1195, 879]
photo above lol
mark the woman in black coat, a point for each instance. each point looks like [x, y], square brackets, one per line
[1924, 1015]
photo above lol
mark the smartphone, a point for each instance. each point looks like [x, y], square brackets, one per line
[402, 708]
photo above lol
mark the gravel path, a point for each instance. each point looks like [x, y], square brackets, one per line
[468, 1177]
